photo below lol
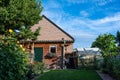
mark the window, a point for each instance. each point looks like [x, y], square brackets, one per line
[52, 49]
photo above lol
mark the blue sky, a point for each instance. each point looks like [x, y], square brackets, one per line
[84, 19]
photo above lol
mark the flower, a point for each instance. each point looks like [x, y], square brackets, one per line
[23, 49]
[21, 46]
[18, 42]
[10, 30]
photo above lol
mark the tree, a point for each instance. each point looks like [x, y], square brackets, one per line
[14, 14]
[118, 38]
[106, 43]
[109, 50]
[16, 19]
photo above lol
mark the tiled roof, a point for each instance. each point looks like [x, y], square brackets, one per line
[50, 32]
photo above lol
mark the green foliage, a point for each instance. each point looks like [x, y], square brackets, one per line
[106, 43]
[87, 64]
[39, 68]
[109, 50]
[118, 38]
[13, 60]
[91, 63]
[116, 68]
[27, 34]
[36, 33]
[35, 69]
[17, 13]
[14, 14]
[112, 66]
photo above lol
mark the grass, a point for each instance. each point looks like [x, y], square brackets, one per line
[70, 75]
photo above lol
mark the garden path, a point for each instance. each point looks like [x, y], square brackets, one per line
[104, 76]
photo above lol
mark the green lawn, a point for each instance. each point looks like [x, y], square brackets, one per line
[70, 75]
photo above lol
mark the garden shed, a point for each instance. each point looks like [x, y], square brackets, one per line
[48, 48]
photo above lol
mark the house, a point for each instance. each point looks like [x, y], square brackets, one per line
[50, 44]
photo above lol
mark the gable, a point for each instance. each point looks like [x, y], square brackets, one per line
[50, 32]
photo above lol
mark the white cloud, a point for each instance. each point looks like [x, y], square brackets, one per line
[106, 24]
[109, 19]
[83, 27]
[83, 34]
[84, 30]
[84, 13]
[95, 2]
[52, 4]
[103, 25]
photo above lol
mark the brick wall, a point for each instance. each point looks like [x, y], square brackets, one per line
[53, 63]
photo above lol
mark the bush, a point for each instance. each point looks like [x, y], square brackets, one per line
[116, 69]
[13, 60]
[91, 63]
[107, 66]
[35, 69]
[112, 67]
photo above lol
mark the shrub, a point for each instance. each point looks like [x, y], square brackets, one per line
[13, 60]
[112, 67]
[91, 63]
[116, 69]
[35, 69]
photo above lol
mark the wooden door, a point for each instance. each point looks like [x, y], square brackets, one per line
[38, 54]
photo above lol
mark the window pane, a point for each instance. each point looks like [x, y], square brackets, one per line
[53, 49]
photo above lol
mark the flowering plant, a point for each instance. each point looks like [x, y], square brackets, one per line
[12, 54]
